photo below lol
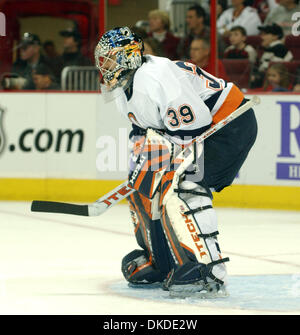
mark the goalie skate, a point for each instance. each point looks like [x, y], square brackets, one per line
[199, 290]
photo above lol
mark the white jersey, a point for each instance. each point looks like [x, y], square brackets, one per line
[178, 97]
[249, 19]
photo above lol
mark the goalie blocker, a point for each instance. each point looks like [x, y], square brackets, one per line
[174, 221]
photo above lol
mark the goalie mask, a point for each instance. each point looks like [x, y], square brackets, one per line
[117, 55]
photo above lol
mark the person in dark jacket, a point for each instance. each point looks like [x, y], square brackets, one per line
[30, 58]
[44, 79]
[196, 20]
[72, 55]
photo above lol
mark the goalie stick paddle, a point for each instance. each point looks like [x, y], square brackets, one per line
[124, 190]
[98, 207]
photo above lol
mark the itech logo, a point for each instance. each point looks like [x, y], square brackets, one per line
[191, 227]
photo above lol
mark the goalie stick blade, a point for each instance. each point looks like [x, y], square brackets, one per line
[59, 207]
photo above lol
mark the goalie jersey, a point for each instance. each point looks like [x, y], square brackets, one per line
[178, 97]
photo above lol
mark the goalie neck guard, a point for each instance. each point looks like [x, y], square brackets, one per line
[117, 55]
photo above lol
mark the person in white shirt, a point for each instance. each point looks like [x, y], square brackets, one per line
[282, 15]
[239, 15]
[170, 103]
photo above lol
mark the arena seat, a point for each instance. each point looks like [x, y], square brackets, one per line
[238, 71]
[293, 44]
[291, 67]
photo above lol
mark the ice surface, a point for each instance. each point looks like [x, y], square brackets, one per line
[63, 264]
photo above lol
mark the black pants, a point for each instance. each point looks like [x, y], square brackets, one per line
[226, 150]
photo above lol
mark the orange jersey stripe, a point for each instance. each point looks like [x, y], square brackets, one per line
[139, 180]
[231, 103]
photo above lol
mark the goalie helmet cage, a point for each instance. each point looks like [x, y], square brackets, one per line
[177, 12]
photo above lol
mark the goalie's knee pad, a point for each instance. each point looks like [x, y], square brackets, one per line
[137, 268]
[191, 224]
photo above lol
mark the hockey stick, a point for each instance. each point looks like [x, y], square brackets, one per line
[124, 190]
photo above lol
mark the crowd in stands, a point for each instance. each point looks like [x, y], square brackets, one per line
[255, 32]
[39, 66]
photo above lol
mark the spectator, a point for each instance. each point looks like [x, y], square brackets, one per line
[141, 32]
[282, 15]
[144, 25]
[238, 48]
[263, 7]
[53, 58]
[239, 15]
[152, 47]
[222, 5]
[199, 55]
[277, 78]
[195, 19]
[297, 81]
[159, 25]
[30, 58]
[44, 79]
[72, 54]
[50, 50]
[274, 51]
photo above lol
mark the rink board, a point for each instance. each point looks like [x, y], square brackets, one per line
[73, 147]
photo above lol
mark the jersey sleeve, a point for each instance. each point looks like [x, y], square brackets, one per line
[182, 110]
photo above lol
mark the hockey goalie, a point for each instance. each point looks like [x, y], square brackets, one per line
[169, 104]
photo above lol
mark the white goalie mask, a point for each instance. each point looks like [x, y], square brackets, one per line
[117, 55]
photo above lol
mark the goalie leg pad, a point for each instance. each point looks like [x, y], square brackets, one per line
[154, 158]
[149, 235]
[189, 211]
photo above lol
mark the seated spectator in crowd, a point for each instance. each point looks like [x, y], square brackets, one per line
[50, 50]
[153, 47]
[30, 58]
[44, 79]
[141, 32]
[195, 19]
[222, 5]
[297, 81]
[282, 15]
[239, 15]
[53, 58]
[274, 51]
[263, 7]
[159, 25]
[199, 55]
[238, 48]
[277, 78]
[142, 24]
[72, 55]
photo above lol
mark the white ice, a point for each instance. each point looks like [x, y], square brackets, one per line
[63, 264]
